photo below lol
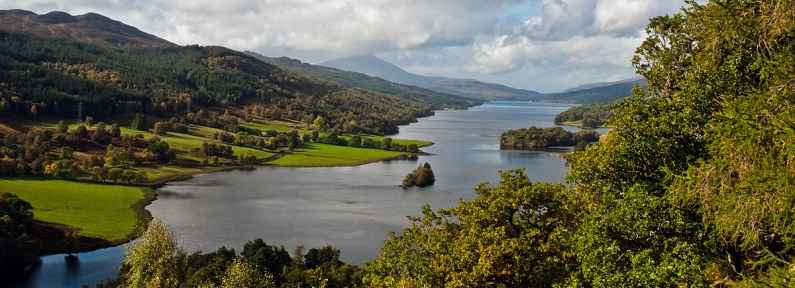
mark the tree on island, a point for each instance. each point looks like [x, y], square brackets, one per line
[540, 138]
[421, 177]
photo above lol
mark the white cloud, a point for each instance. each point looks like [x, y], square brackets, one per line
[572, 37]
[552, 45]
[338, 26]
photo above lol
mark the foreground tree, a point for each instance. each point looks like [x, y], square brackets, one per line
[18, 249]
[241, 274]
[513, 234]
[694, 184]
[267, 259]
[152, 259]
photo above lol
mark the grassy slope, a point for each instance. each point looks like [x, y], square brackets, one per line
[420, 143]
[280, 126]
[103, 211]
[323, 155]
[185, 142]
[313, 155]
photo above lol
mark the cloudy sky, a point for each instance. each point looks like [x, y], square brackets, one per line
[545, 45]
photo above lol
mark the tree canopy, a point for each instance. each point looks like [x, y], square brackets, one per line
[694, 185]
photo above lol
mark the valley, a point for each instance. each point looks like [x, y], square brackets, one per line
[211, 156]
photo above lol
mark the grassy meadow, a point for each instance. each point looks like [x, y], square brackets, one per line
[97, 210]
[324, 155]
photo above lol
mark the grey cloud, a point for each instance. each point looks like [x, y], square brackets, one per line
[571, 33]
[336, 26]
[568, 42]
[563, 19]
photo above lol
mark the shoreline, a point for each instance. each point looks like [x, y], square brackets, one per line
[58, 244]
[88, 244]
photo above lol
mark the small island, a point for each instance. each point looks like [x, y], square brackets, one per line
[421, 177]
[534, 138]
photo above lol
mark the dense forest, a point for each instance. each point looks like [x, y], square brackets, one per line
[587, 116]
[65, 78]
[539, 138]
[156, 261]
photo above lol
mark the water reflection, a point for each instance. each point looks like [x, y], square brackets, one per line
[91, 268]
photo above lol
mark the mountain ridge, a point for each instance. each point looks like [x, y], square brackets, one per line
[377, 67]
[90, 27]
[604, 92]
[596, 85]
[360, 80]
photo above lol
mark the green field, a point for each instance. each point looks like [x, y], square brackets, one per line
[311, 155]
[265, 125]
[185, 142]
[419, 143]
[281, 126]
[323, 155]
[103, 211]
[154, 174]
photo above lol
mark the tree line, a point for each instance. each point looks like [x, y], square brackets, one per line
[68, 79]
[155, 260]
[539, 138]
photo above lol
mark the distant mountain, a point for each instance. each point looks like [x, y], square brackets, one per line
[597, 92]
[603, 84]
[374, 66]
[90, 28]
[362, 81]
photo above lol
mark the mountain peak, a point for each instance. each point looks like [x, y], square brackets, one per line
[91, 28]
[377, 67]
[56, 17]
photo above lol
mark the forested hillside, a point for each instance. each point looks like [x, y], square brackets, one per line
[71, 75]
[63, 78]
[362, 81]
[596, 93]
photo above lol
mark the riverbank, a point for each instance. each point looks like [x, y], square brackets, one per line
[63, 235]
[76, 216]
[75, 237]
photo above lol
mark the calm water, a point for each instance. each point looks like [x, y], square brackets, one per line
[351, 208]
